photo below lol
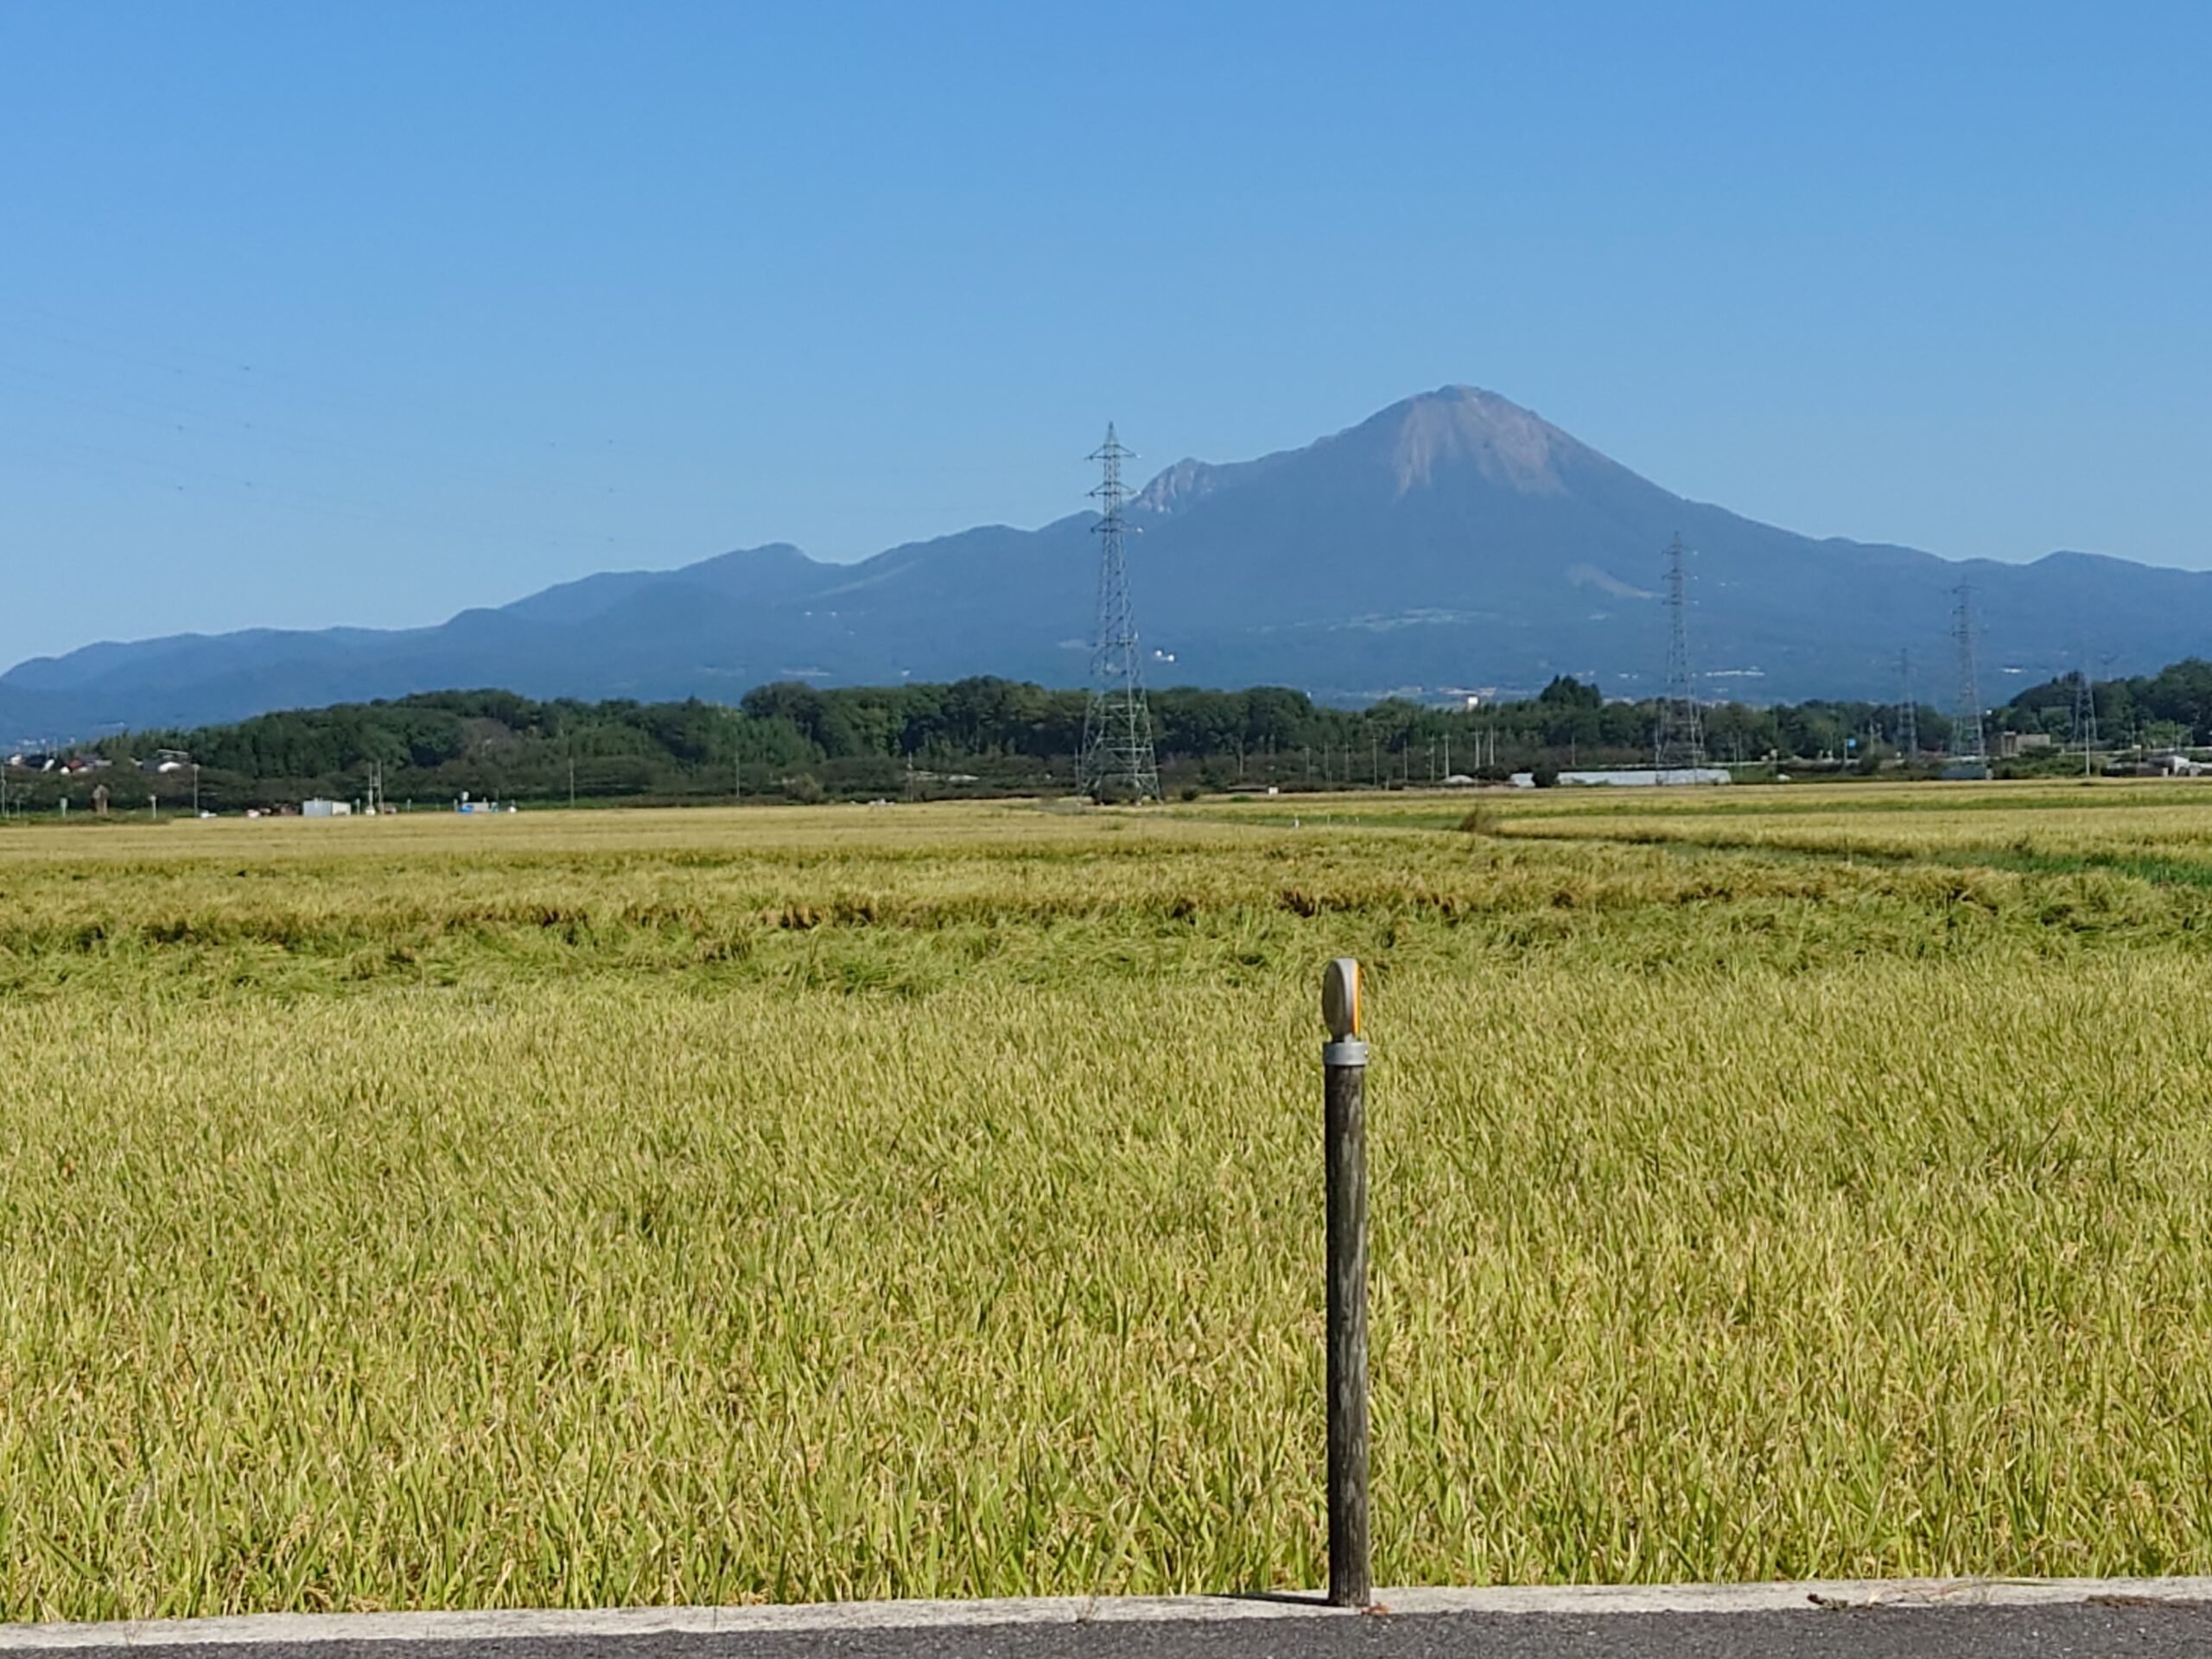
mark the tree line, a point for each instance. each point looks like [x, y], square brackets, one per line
[795, 741]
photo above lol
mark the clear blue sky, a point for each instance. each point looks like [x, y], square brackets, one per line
[361, 313]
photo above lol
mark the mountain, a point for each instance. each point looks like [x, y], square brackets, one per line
[1454, 540]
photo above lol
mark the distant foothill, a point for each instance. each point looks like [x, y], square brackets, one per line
[790, 742]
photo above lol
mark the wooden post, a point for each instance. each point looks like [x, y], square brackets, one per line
[1343, 1062]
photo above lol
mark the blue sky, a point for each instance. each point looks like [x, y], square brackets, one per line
[364, 312]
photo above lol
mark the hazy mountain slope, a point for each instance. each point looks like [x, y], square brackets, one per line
[777, 570]
[1451, 540]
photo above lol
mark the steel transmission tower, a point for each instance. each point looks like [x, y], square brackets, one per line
[1117, 755]
[2085, 712]
[1908, 712]
[1679, 739]
[1966, 734]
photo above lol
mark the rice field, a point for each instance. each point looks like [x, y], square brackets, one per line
[710, 1206]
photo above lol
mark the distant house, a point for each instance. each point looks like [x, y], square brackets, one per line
[319, 808]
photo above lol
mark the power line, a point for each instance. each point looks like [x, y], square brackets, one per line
[235, 425]
[263, 430]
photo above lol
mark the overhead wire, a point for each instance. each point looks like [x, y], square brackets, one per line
[194, 418]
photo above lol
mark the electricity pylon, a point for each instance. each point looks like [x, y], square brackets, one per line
[1118, 762]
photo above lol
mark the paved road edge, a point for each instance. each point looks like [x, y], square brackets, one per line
[1577, 1600]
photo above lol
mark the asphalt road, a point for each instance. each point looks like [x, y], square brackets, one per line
[2118, 1627]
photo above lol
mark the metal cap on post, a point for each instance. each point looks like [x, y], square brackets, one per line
[1344, 1063]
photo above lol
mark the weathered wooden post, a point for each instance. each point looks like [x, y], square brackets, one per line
[1344, 1063]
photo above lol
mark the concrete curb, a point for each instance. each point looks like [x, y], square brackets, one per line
[1582, 1601]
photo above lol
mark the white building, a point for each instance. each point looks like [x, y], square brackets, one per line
[1648, 777]
[319, 808]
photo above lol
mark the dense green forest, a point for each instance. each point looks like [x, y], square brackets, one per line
[793, 741]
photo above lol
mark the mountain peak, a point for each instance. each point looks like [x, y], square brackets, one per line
[1456, 426]
[1416, 443]
[1186, 482]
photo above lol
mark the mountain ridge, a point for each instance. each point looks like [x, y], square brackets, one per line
[1451, 540]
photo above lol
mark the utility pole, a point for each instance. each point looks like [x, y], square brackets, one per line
[1679, 739]
[1117, 751]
